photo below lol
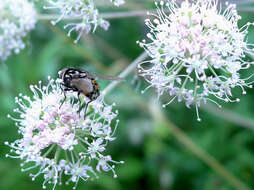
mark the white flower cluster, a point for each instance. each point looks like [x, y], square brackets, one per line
[196, 52]
[84, 9]
[17, 18]
[58, 141]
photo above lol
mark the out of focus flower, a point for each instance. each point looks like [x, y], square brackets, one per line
[59, 141]
[197, 52]
[83, 10]
[17, 18]
[117, 2]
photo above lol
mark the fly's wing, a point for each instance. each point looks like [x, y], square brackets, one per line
[107, 77]
[110, 78]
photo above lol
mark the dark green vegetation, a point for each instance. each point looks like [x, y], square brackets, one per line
[156, 154]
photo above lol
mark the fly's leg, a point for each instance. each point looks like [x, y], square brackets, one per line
[64, 95]
[80, 106]
[87, 107]
[63, 99]
[72, 90]
[64, 92]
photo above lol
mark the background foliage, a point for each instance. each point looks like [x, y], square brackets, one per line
[152, 150]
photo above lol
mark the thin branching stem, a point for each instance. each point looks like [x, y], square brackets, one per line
[122, 14]
[115, 15]
[126, 72]
[230, 116]
[196, 150]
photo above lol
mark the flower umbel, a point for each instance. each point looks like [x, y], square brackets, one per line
[196, 51]
[17, 18]
[57, 141]
[84, 9]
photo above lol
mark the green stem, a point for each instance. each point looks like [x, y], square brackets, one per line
[66, 156]
[212, 70]
[81, 143]
[57, 154]
[196, 83]
[225, 71]
[76, 155]
[49, 150]
[175, 67]
[185, 81]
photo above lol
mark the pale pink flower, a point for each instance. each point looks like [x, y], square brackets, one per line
[84, 9]
[59, 141]
[197, 52]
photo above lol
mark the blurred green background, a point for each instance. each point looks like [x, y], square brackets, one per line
[157, 153]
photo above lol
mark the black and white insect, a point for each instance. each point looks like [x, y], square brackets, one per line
[82, 82]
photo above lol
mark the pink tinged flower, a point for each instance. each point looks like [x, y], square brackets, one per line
[197, 52]
[104, 164]
[84, 9]
[57, 141]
